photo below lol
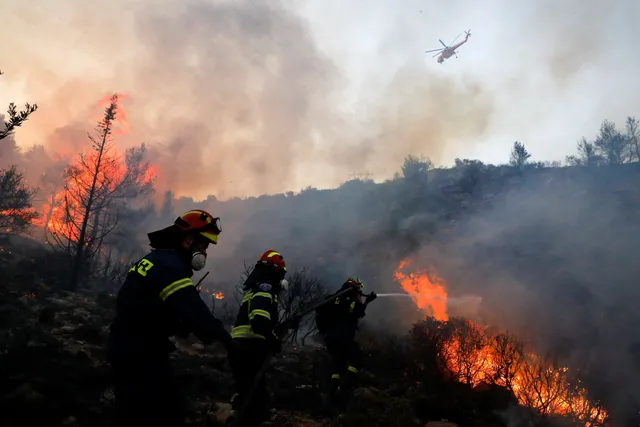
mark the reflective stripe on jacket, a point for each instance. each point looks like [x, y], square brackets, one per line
[258, 314]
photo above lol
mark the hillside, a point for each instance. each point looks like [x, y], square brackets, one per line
[53, 373]
[538, 238]
[544, 256]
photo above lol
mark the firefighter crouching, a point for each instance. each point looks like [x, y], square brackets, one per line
[253, 333]
[337, 322]
[158, 300]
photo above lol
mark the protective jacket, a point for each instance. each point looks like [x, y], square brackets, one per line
[158, 300]
[258, 313]
[339, 320]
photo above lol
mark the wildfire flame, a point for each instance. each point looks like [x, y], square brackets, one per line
[54, 216]
[216, 295]
[474, 356]
[427, 288]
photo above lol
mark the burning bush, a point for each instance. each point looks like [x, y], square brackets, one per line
[460, 350]
[94, 196]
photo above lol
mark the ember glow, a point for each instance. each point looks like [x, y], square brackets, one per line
[216, 295]
[58, 216]
[474, 356]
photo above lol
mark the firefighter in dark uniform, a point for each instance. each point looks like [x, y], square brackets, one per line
[255, 338]
[158, 300]
[338, 323]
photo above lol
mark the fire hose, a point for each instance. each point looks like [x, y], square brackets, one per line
[267, 362]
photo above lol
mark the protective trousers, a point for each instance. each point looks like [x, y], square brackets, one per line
[346, 358]
[147, 393]
[246, 359]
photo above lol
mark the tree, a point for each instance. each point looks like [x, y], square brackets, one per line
[612, 144]
[464, 357]
[633, 137]
[16, 117]
[470, 176]
[16, 212]
[168, 209]
[587, 155]
[415, 168]
[304, 292]
[95, 192]
[509, 355]
[519, 155]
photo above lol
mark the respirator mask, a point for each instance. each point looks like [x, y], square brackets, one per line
[198, 260]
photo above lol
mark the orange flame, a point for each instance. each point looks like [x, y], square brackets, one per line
[431, 296]
[54, 216]
[473, 356]
[216, 295]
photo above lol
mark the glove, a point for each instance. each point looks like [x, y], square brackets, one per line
[371, 297]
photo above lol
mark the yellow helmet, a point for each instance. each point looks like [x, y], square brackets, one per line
[355, 282]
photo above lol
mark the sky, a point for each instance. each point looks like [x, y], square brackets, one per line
[241, 98]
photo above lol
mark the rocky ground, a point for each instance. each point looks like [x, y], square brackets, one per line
[53, 372]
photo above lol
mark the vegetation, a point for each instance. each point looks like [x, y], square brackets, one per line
[16, 117]
[16, 213]
[91, 202]
[535, 240]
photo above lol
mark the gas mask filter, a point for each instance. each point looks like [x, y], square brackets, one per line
[198, 261]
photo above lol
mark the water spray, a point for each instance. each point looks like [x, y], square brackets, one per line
[413, 296]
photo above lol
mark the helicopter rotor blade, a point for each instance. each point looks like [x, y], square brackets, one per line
[454, 40]
[442, 43]
[436, 55]
[433, 50]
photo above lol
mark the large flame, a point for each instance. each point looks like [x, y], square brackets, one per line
[474, 356]
[428, 290]
[54, 215]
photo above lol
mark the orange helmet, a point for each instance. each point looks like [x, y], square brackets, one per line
[273, 258]
[200, 221]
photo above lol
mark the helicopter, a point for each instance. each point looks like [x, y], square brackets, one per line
[449, 51]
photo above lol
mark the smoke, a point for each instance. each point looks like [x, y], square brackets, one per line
[555, 262]
[233, 98]
[241, 98]
[244, 98]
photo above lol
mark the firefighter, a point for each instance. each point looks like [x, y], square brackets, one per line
[255, 338]
[156, 301]
[338, 322]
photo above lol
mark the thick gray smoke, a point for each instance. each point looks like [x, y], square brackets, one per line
[233, 98]
[551, 257]
[555, 261]
[239, 98]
